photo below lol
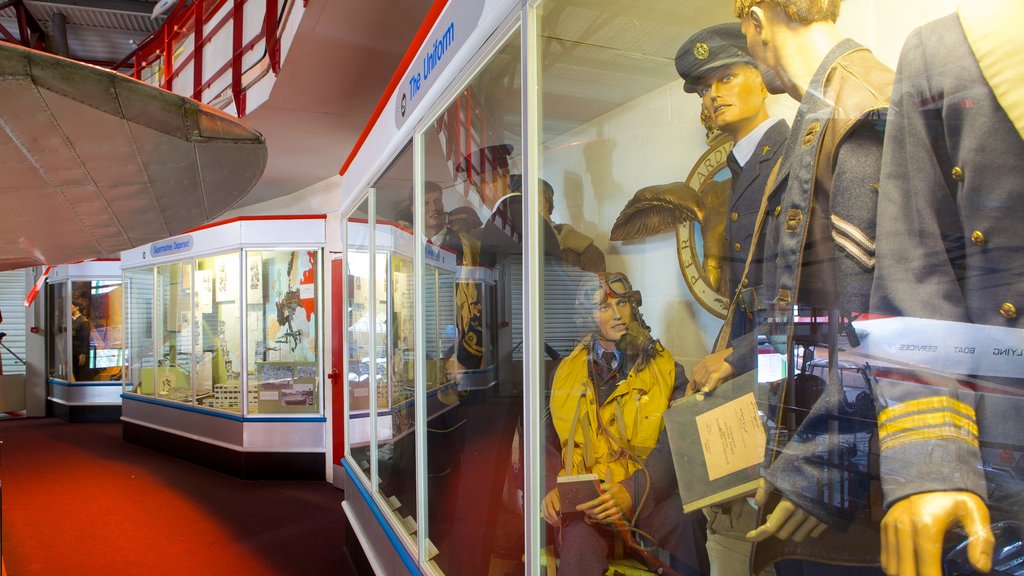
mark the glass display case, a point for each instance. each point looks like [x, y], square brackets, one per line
[395, 321]
[700, 247]
[84, 352]
[225, 324]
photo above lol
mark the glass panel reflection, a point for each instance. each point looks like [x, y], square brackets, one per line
[57, 359]
[217, 334]
[473, 218]
[357, 340]
[173, 329]
[96, 330]
[141, 361]
[396, 447]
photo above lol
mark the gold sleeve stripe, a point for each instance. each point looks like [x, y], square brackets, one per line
[930, 420]
[924, 404]
[926, 435]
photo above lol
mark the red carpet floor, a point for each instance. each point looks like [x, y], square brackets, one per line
[79, 500]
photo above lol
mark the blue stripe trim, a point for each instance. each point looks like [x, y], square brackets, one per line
[66, 384]
[389, 531]
[226, 416]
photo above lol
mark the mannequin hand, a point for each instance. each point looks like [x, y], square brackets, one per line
[452, 369]
[913, 530]
[786, 522]
[710, 372]
[613, 506]
[552, 506]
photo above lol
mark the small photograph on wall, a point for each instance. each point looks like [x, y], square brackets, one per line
[226, 281]
[204, 291]
[254, 278]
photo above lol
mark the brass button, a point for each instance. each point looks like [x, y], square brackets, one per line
[957, 173]
[734, 216]
[737, 247]
[778, 210]
[793, 219]
[978, 237]
[1008, 310]
[809, 135]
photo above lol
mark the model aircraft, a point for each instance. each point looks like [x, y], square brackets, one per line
[93, 162]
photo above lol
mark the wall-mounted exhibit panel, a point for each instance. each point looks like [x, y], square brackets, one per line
[85, 355]
[224, 338]
[699, 247]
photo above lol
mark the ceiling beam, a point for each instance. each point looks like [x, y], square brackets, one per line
[129, 6]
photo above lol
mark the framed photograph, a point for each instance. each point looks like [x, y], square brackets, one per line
[204, 291]
[254, 278]
[226, 279]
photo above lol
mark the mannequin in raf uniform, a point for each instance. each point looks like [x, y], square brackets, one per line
[715, 65]
[820, 238]
[469, 349]
[950, 248]
[607, 399]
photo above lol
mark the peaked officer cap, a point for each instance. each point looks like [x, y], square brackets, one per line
[708, 50]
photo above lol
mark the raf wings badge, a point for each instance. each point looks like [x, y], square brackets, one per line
[696, 207]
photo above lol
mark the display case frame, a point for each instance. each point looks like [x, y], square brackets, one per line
[85, 389]
[391, 542]
[394, 244]
[261, 412]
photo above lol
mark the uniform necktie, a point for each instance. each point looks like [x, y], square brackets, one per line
[608, 359]
[734, 166]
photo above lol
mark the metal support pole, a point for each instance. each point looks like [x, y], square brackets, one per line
[59, 29]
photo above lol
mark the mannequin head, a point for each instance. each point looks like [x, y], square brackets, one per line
[487, 170]
[797, 11]
[715, 64]
[79, 307]
[548, 198]
[734, 97]
[608, 304]
[464, 219]
[434, 216]
[612, 319]
[789, 38]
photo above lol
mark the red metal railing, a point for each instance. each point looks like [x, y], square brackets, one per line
[27, 27]
[189, 30]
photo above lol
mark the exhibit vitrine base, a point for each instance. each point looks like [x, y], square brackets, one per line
[250, 448]
[383, 550]
[84, 401]
[84, 354]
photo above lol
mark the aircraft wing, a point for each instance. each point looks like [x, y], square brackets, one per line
[93, 162]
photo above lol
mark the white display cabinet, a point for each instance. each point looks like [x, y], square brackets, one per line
[223, 361]
[84, 348]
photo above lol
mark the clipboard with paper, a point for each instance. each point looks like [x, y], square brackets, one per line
[717, 442]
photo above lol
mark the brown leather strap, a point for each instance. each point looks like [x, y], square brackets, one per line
[570, 444]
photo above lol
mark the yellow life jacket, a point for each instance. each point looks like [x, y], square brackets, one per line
[609, 441]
